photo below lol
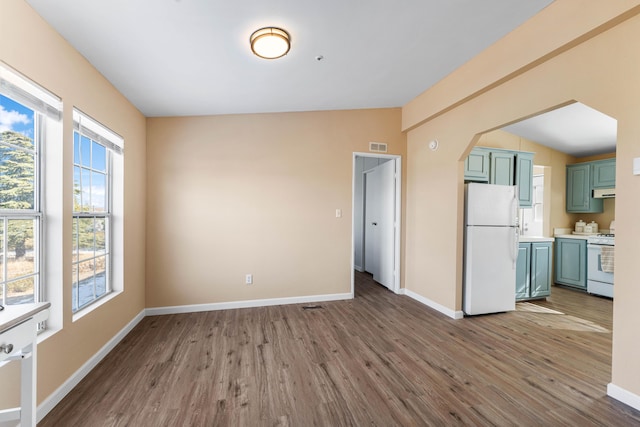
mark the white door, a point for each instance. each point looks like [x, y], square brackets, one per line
[379, 253]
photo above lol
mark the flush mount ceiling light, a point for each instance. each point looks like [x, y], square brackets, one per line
[270, 42]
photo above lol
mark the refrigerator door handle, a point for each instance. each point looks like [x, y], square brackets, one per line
[514, 208]
[516, 247]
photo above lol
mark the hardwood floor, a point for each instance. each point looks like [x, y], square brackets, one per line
[380, 359]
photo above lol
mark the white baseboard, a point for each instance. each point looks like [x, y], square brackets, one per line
[439, 307]
[54, 398]
[157, 311]
[623, 396]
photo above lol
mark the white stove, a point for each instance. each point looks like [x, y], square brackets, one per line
[600, 264]
[602, 239]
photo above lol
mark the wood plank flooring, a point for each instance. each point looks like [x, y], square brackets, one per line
[378, 360]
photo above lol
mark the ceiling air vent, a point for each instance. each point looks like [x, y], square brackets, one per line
[378, 147]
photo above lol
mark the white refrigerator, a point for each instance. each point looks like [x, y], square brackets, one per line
[490, 248]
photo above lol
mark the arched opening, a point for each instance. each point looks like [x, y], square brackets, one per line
[573, 137]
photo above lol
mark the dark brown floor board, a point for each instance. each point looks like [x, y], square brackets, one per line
[380, 359]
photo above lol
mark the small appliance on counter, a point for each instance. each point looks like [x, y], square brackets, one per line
[612, 227]
[585, 229]
[592, 227]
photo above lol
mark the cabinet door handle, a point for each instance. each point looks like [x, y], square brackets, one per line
[8, 348]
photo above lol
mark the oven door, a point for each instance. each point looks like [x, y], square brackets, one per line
[594, 265]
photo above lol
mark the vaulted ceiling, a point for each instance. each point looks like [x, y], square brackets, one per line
[192, 57]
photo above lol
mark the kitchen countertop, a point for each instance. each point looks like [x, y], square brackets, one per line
[534, 239]
[573, 236]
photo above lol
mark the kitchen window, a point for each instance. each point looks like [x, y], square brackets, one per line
[96, 150]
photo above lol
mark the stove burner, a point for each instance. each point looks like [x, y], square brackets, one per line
[602, 239]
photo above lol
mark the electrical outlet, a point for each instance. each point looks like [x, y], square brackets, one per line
[248, 279]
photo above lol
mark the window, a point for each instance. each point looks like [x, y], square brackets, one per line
[19, 203]
[25, 110]
[94, 148]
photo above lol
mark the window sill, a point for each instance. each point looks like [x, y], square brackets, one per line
[88, 309]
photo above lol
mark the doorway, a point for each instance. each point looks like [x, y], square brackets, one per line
[376, 230]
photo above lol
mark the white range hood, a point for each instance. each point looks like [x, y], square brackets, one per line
[604, 193]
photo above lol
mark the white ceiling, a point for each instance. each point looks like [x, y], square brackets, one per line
[576, 129]
[192, 57]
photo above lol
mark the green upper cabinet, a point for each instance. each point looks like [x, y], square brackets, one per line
[476, 165]
[524, 178]
[579, 198]
[604, 173]
[502, 168]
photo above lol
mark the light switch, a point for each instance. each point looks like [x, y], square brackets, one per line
[338, 213]
[636, 166]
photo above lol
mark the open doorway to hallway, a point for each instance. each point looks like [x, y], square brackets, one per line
[376, 218]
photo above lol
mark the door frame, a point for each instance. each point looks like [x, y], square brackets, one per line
[398, 217]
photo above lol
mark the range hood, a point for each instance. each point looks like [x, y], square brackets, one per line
[604, 193]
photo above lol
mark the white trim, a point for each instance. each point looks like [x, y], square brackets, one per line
[623, 396]
[439, 307]
[194, 308]
[83, 123]
[54, 398]
[94, 305]
[27, 92]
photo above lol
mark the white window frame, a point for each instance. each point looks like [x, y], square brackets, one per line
[34, 215]
[86, 126]
[47, 109]
[48, 135]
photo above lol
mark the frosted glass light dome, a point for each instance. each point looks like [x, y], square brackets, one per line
[270, 43]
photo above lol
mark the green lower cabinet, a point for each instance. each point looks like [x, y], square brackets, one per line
[541, 269]
[523, 269]
[571, 262]
[533, 270]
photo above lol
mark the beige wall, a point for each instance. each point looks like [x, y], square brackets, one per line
[255, 194]
[600, 70]
[30, 46]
